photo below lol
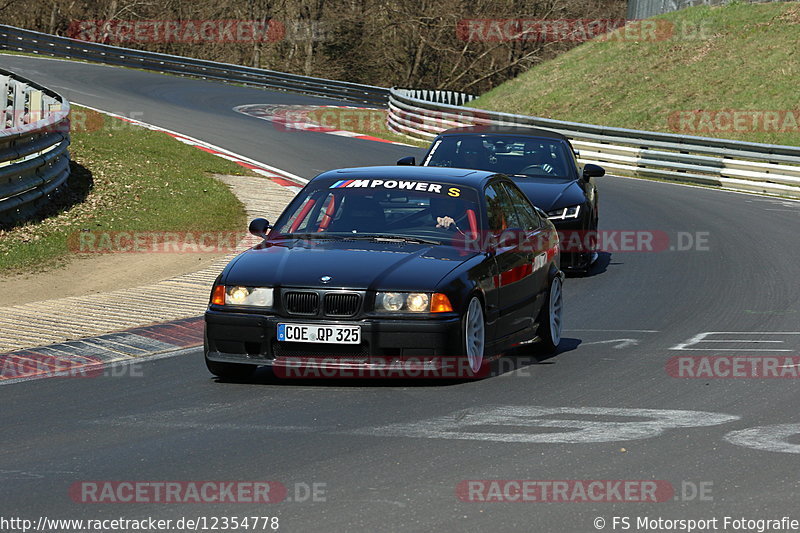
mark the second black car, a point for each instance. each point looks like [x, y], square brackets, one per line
[544, 165]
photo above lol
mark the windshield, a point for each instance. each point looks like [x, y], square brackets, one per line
[374, 208]
[506, 154]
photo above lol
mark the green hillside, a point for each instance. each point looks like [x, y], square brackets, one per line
[729, 71]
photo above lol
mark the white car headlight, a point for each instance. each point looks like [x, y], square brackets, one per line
[252, 296]
[564, 213]
[418, 302]
[412, 302]
[389, 301]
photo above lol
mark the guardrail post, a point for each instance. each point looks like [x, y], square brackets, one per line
[4, 100]
[17, 103]
[34, 106]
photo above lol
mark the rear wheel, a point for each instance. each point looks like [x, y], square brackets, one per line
[474, 332]
[550, 317]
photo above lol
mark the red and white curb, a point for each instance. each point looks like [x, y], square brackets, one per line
[295, 118]
[281, 177]
[93, 356]
[85, 336]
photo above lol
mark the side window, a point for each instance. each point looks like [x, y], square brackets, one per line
[300, 219]
[497, 208]
[575, 166]
[527, 217]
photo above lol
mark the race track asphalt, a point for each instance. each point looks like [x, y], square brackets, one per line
[391, 454]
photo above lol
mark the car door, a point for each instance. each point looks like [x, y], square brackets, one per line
[513, 281]
[534, 243]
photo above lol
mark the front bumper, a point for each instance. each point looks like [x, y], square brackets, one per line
[249, 338]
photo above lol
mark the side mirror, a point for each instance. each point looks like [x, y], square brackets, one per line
[408, 161]
[593, 171]
[259, 227]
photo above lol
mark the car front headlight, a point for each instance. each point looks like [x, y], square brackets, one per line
[418, 302]
[241, 295]
[391, 301]
[412, 302]
[564, 213]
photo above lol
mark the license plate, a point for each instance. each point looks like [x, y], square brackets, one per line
[327, 334]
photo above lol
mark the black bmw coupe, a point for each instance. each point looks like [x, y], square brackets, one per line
[376, 264]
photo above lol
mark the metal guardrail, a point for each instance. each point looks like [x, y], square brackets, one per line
[738, 165]
[17, 39]
[34, 135]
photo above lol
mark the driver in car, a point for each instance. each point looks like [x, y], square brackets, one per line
[536, 157]
[446, 211]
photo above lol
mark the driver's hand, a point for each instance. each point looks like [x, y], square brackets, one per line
[547, 168]
[444, 222]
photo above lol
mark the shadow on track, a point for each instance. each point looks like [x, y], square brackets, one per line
[598, 267]
[523, 360]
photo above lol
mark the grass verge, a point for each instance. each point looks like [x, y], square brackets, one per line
[125, 178]
[705, 62]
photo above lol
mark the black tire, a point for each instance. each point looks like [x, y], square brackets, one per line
[549, 330]
[473, 338]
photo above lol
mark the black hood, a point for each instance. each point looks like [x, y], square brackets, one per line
[551, 193]
[350, 265]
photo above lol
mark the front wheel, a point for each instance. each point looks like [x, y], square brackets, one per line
[550, 317]
[474, 334]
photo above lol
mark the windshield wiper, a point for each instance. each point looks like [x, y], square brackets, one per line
[393, 238]
[312, 236]
[359, 237]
